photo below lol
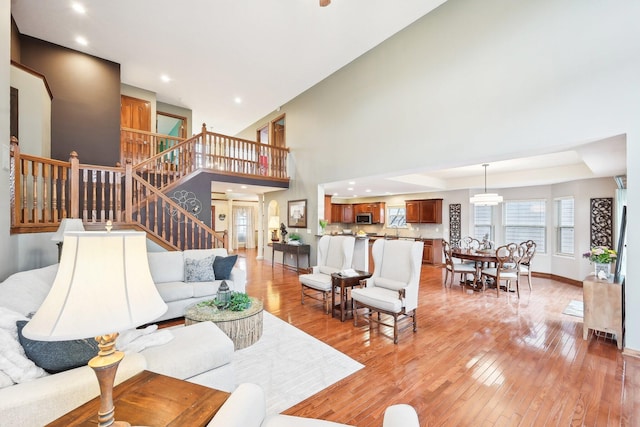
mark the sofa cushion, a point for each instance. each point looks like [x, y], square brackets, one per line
[319, 281]
[57, 356]
[198, 270]
[194, 349]
[166, 266]
[175, 291]
[222, 266]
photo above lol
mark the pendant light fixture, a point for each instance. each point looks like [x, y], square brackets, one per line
[486, 199]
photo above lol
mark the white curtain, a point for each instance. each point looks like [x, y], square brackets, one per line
[243, 216]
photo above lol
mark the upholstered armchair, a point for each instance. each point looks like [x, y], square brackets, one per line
[393, 287]
[335, 253]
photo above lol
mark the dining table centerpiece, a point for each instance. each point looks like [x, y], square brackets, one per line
[602, 257]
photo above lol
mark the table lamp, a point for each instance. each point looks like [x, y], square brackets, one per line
[274, 223]
[103, 286]
[66, 225]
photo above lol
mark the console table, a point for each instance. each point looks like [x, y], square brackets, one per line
[296, 250]
[603, 309]
[152, 399]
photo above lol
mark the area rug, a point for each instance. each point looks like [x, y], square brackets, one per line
[575, 308]
[290, 364]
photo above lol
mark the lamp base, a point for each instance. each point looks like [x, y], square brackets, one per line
[105, 365]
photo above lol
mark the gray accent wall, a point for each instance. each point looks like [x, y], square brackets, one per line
[85, 111]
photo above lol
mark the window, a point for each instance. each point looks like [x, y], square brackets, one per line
[525, 220]
[564, 230]
[396, 216]
[482, 216]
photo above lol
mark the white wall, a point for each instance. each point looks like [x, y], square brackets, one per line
[34, 111]
[476, 82]
[8, 255]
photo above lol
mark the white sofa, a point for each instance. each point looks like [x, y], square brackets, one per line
[200, 353]
[246, 408]
[168, 272]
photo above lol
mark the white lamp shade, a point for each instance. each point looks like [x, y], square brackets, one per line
[103, 285]
[486, 199]
[274, 222]
[66, 225]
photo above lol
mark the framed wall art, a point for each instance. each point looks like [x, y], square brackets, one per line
[297, 213]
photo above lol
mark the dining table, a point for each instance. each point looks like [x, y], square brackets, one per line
[480, 257]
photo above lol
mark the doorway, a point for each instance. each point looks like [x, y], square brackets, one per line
[171, 124]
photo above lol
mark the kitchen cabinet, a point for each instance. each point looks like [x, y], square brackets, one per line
[327, 208]
[424, 211]
[376, 209]
[341, 213]
[432, 252]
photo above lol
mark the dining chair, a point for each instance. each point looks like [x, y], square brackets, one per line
[393, 287]
[469, 242]
[508, 259]
[525, 264]
[453, 267]
[335, 253]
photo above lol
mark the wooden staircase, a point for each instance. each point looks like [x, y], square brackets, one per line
[43, 191]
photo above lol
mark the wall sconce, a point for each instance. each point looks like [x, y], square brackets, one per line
[221, 217]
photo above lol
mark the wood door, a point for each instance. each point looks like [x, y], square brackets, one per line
[135, 113]
[277, 132]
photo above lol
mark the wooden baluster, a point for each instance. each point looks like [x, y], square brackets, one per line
[129, 196]
[55, 188]
[35, 214]
[46, 183]
[74, 185]
[63, 192]
[102, 201]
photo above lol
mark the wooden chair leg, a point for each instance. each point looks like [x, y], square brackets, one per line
[395, 329]
[355, 313]
[529, 279]
[415, 320]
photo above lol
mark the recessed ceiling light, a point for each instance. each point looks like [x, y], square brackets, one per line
[229, 190]
[335, 194]
[82, 41]
[237, 100]
[355, 195]
[352, 182]
[367, 191]
[350, 189]
[243, 187]
[78, 8]
[165, 78]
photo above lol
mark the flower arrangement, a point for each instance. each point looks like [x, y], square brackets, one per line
[601, 254]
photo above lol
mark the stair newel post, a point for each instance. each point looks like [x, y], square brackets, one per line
[15, 191]
[74, 185]
[128, 191]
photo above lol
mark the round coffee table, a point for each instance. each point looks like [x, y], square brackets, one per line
[243, 327]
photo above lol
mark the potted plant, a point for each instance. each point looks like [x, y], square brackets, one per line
[323, 224]
[295, 239]
[602, 257]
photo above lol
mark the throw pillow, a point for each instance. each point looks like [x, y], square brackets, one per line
[199, 270]
[57, 356]
[222, 266]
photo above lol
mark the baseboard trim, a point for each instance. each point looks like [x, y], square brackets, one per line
[562, 279]
[631, 353]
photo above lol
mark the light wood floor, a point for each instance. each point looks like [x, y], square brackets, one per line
[476, 360]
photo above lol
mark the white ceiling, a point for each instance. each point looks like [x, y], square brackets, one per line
[267, 52]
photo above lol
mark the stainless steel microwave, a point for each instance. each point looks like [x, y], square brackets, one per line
[364, 218]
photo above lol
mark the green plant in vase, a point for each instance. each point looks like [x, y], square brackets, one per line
[295, 238]
[323, 224]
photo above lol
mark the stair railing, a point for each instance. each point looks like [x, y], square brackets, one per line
[44, 191]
